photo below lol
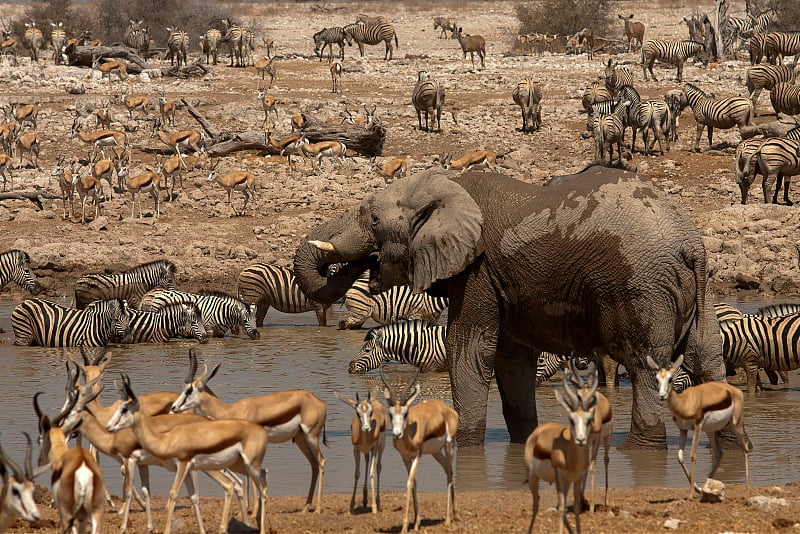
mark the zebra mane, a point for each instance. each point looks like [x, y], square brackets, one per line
[222, 295]
[695, 88]
[703, 46]
[25, 257]
[165, 264]
[104, 303]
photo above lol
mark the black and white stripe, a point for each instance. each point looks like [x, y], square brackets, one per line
[177, 46]
[129, 285]
[234, 37]
[766, 77]
[221, 312]
[717, 112]
[749, 26]
[396, 304]
[652, 116]
[593, 93]
[328, 37]
[527, 94]
[549, 364]
[779, 310]
[176, 320]
[373, 34]
[414, 342]
[617, 77]
[780, 44]
[137, 38]
[44, 323]
[15, 266]
[780, 157]
[727, 312]
[785, 98]
[756, 47]
[609, 130]
[672, 52]
[428, 98]
[265, 285]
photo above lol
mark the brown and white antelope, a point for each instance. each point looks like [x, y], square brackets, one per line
[146, 182]
[170, 168]
[366, 121]
[100, 139]
[88, 187]
[243, 181]
[560, 454]
[390, 170]
[264, 67]
[471, 161]
[104, 169]
[269, 45]
[77, 482]
[294, 414]
[269, 104]
[6, 164]
[136, 103]
[166, 108]
[707, 407]
[8, 135]
[26, 113]
[194, 139]
[289, 146]
[298, 122]
[231, 444]
[324, 149]
[102, 116]
[111, 67]
[472, 44]
[16, 495]
[427, 428]
[65, 176]
[368, 435]
[8, 46]
[28, 143]
[336, 77]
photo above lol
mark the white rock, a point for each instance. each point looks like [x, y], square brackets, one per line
[713, 491]
[765, 503]
[672, 524]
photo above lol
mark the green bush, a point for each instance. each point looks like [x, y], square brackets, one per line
[564, 17]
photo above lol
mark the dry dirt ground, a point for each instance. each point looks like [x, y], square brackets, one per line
[210, 249]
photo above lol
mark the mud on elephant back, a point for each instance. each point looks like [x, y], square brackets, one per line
[600, 260]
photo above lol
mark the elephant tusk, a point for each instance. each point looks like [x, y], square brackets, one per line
[325, 246]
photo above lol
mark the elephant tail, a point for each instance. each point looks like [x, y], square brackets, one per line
[696, 258]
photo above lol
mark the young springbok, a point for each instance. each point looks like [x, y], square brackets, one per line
[708, 407]
[336, 77]
[66, 182]
[390, 170]
[264, 67]
[471, 161]
[269, 104]
[434, 427]
[368, 435]
[6, 164]
[166, 108]
[28, 143]
[560, 454]
[77, 482]
[16, 495]
[243, 181]
[472, 44]
[88, 186]
[294, 414]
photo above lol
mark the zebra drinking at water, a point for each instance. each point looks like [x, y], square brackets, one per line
[184, 319]
[265, 285]
[221, 312]
[15, 266]
[129, 285]
[327, 37]
[389, 306]
[672, 52]
[372, 35]
[44, 323]
[415, 342]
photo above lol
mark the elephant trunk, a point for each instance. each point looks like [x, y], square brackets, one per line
[337, 241]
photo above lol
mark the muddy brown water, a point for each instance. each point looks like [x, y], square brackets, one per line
[294, 352]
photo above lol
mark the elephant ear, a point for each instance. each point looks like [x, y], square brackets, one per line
[446, 226]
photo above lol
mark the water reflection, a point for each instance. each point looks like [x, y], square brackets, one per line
[294, 352]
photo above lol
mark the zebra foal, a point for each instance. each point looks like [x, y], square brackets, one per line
[717, 112]
[130, 285]
[184, 319]
[428, 98]
[327, 37]
[15, 266]
[415, 342]
[527, 94]
[265, 285]
[609, 130]
[44, 323]
[672, 52]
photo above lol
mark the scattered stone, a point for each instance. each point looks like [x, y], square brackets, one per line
[100, 223]
[745, 281]
[672, 524]
[713, 491]
[767, 504]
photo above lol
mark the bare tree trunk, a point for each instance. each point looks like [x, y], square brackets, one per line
[721, 25]
[34, 197]
[84, 56]
[777, 128]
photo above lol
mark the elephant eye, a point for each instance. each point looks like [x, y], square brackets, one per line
[375, 220]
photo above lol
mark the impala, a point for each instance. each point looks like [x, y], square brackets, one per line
[16, 496]
[368, 435]
[5, 166]
[100, 138]
[66, 183]
[196, 140]
[708, 407]
[295, 414]
[478, 159]
[111, 67]
[166, 108]
[426, 428]
[336, 77]
[77, 482]
[560, 454]
[234, 181]
[324, 149]
[390, 170]
[29, 143]
[269, 104]
[205, 446]
[136, 102]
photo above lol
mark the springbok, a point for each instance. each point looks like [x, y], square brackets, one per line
[136, 102]
[146, 182]
[295, 414]
[324, 149]
[708, 407]
[234, 181]
[170, 168]
[289, 146]
[111, 67]
[88, 186]
[390, 170]
[99, 138]
[269, 104]
[336, 77]
[368, 435]
[194, 139]
[6, 164]
[26, 113]
[64, 175]
[102, 117]
[265, 67]
[478, 159]
[166, 108]
[16, 496]
[426, 428]
[29, 143]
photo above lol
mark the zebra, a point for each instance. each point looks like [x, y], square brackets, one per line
[33, 40]
[744, 170]
[447, 25]
[365, 19]
[428, 97]
[372, 35]
[616, 78]
[727, 312]
[676, 102]
[549, 364]
[785, 98]
[756, 48]
[45, 323]
[766, 77]
[672, 52]
[779, 44]
[177, 43]
[653, 115]
[782, 157]
[182, 319]
[137, 37]
[235, 38]
[778, 310]
[210, 44]
[609, 129]
[129, 285]
[527, 94]
[717, 112]
[745, 27]
[389, 306]
[594, 92]
[221, 312]
[414, 342]
[265, 285]
[15, 266]
[326, 37]
[768, 342]
[57, 40]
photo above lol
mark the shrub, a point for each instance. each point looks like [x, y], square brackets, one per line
[563, 17]
[788, 13]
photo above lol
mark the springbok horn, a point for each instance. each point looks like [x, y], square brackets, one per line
[192, 366]
[325, 246]
[410, 385]
[28, 463]
[39, 414]
[12, 464]
[392, 394]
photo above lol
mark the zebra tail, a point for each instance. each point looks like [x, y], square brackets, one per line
[395, 40]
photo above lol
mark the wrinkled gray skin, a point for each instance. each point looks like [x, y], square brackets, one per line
[594, 261]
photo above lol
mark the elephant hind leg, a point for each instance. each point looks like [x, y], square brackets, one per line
[515, 371]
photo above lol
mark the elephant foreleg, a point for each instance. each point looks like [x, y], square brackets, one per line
[515, 371]
[647, 428]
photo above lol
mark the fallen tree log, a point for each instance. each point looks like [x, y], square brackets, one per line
[196, 70]
[84, 56]
[777, 128]
[35, 197]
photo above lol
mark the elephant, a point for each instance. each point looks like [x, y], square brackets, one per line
[596, 261]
